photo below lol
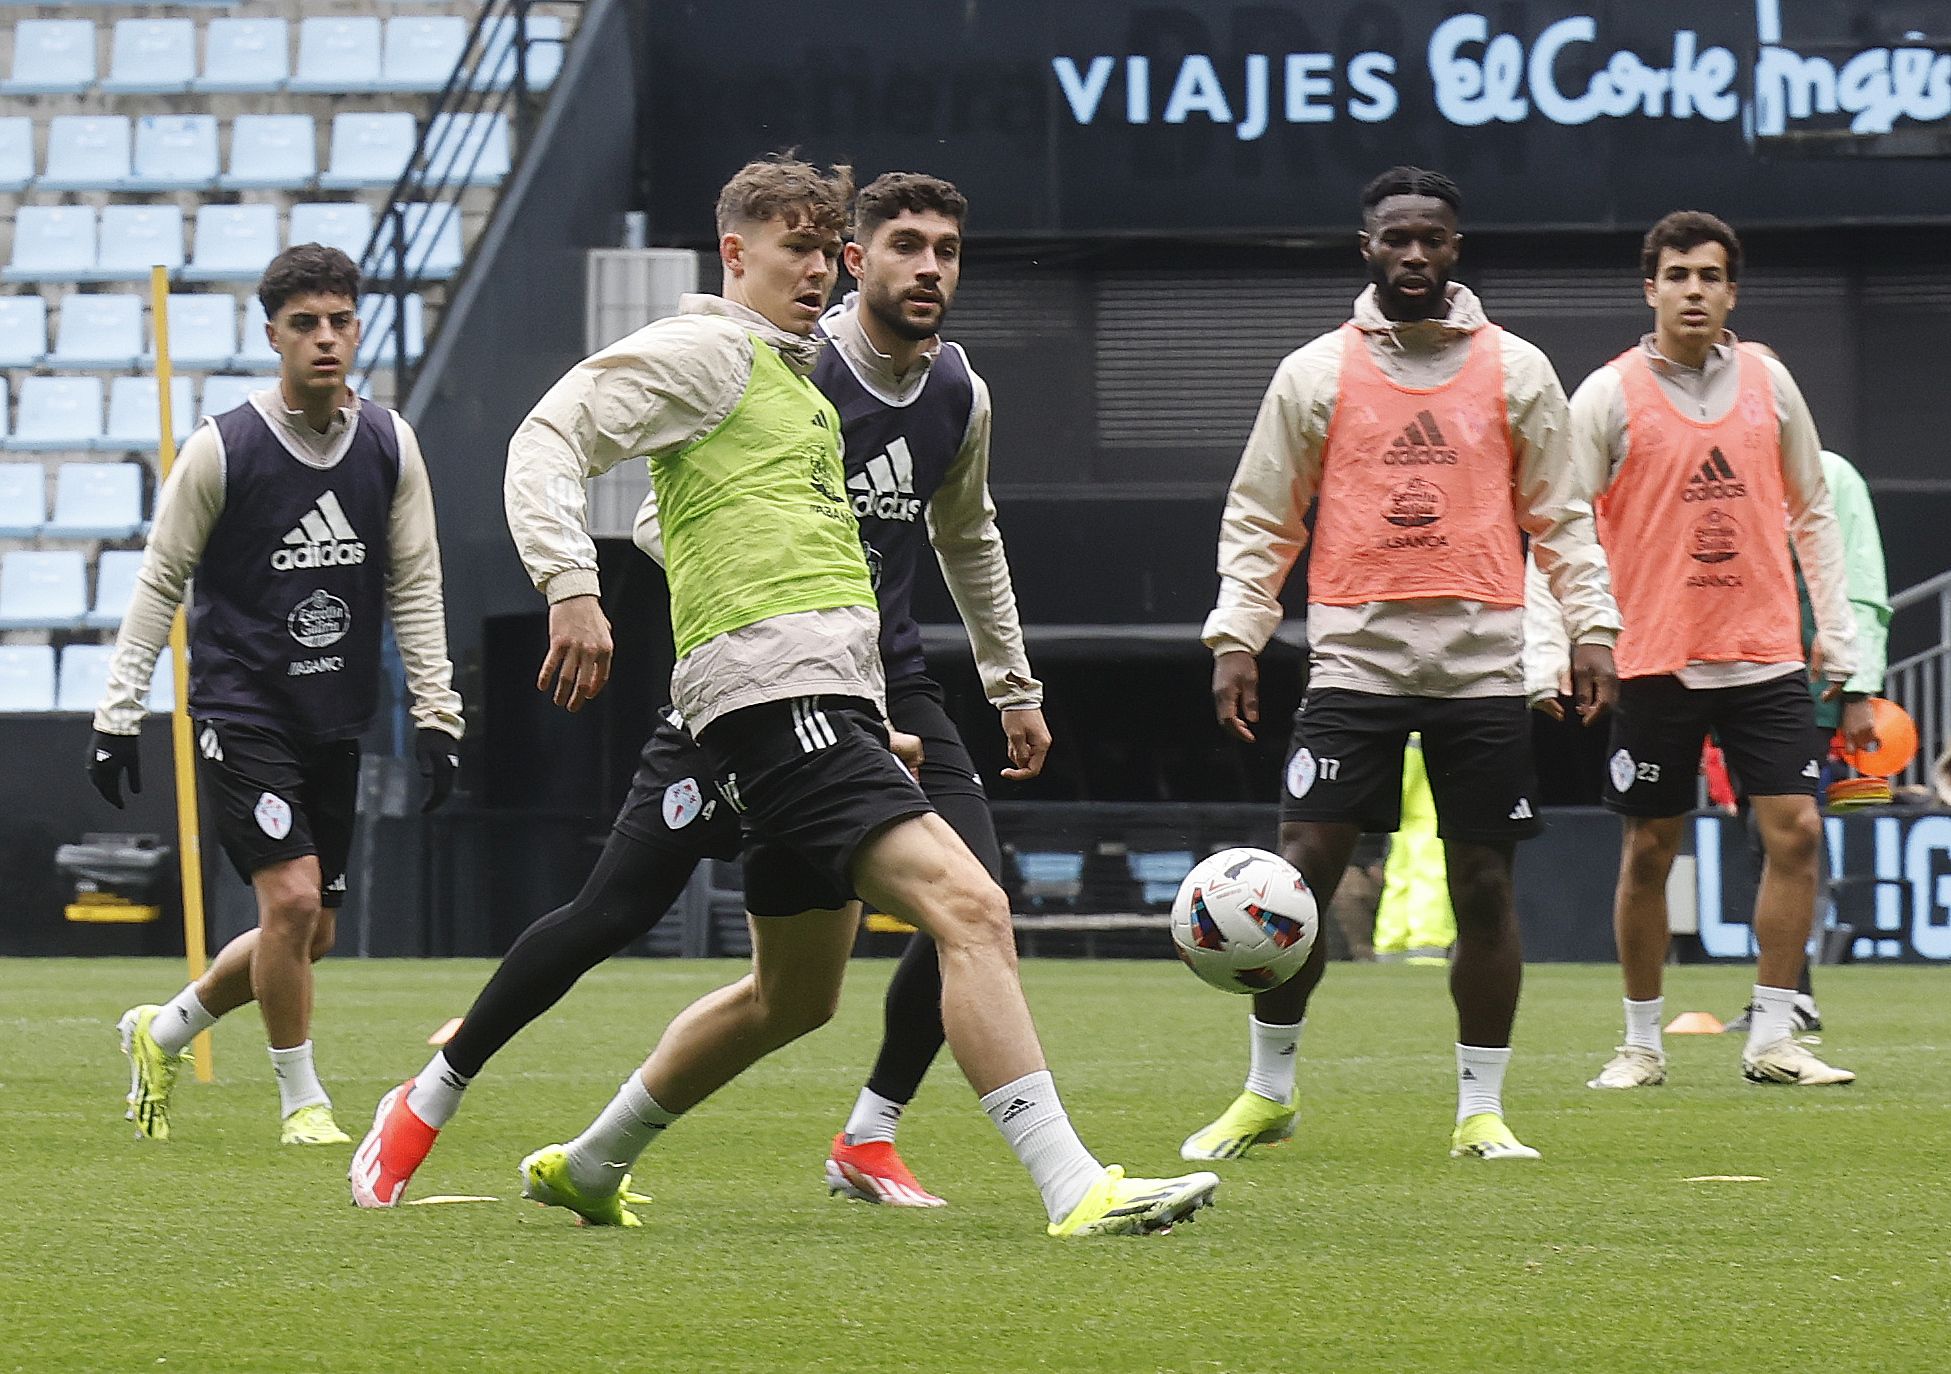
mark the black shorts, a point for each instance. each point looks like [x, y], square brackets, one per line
[1766, 730]
[914, 706]
[673, 804]
[813, 779]
[276, 798]
[1344, 763]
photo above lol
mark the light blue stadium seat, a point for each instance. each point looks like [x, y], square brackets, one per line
[151, 56]
[337, 55]
[233, 242]
[86, 153]
[58, 413]
[43, 590]
[98, 332]
[253, 348]
[3, 411]
[174, 153]
[23, 331]
[496, 70]
[1159, 873]
[23, 499]
[133, 422]
[272, 152]
[16, 152]
[84, 676]
[369, 149]
[115, 572]
[1050, 876]
[162, 686]
[52, 57]
[377, 346]
[202, 330]
[26, 678]
[421, 51]
[245, 55]
[96, 501]
[345, 227]
[227, 393]
[52, 243]
[467, 150]
[136, 238]
[433, 241]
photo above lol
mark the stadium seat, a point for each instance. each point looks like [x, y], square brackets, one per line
[202, 330]
[23, 500]
[86, 153]
[227, 393]
[496, 69]
[174, 153]
[233, 242]
[84, 676]
[433, 241]
[346, 227]
[421, 51]
[377, 347]
[1050, 877]
[96, 500]
[115, 572]
[26, 678]
[337, 55]
[136, 238]
[16, 152]
[277, 152]
[369, 149]
[254, 349]
[467, 150]
[42, 590]
[58, 413]
[52, 57]
[151, 57]
[23, 330]
[3, 410]
[98, 332]
[1159, 873]
[52, 243]
[245, 55]
[133, 422]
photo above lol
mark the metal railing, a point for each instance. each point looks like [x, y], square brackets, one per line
[492, 78]
[1921, 683]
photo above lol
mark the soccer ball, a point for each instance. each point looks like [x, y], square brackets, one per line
[1244, 920]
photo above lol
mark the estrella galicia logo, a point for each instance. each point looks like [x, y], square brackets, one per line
[320, 619]
[1414, 504]
[1714, 538]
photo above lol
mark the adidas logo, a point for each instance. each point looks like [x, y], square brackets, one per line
[1714, 480]
[1016, 1109]
[885, 488]
[1420, 444]
[1467, 1076]
[1522, 811]
[323, 539]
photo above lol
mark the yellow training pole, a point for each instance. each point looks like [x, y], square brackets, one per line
[189, 833]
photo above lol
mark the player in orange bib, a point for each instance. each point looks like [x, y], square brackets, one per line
[1433, 440]
[1705, 452]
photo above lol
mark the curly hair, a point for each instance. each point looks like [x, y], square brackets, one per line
[305, 269]
[1685, 229]
[783, 187]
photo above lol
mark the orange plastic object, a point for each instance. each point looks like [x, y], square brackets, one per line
[1896, 742]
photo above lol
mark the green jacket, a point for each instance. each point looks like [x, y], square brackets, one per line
[1869, 596]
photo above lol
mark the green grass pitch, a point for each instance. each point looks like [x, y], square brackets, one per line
[1359, 1247]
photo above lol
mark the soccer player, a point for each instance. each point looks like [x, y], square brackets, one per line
[915, 419]
[1433, 440]
[779, 678]
[1705, 451]
[303, 515]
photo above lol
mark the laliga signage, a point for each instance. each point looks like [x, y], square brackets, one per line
[1477, 76]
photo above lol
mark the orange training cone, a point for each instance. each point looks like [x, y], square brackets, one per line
[446, 1031]
[1896, 742]
[1695, 1023]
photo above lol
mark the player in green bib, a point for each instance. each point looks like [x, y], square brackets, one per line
[779, 678]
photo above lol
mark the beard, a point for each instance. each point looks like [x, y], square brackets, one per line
[1434, 304]
[885, 306]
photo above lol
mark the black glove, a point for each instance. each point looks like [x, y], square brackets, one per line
[109, 757]
[439, 762]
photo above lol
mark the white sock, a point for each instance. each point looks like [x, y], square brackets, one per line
[1770, 1018]
[436, 1092]
[1643, 1024]
[1272, 1051]
[601, 1155]
[1036, 1126]
[1480, 1080]
[298, 1084]
[181, 1020]
[874, 1118]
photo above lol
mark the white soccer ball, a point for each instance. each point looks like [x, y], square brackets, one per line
[1244, 920]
